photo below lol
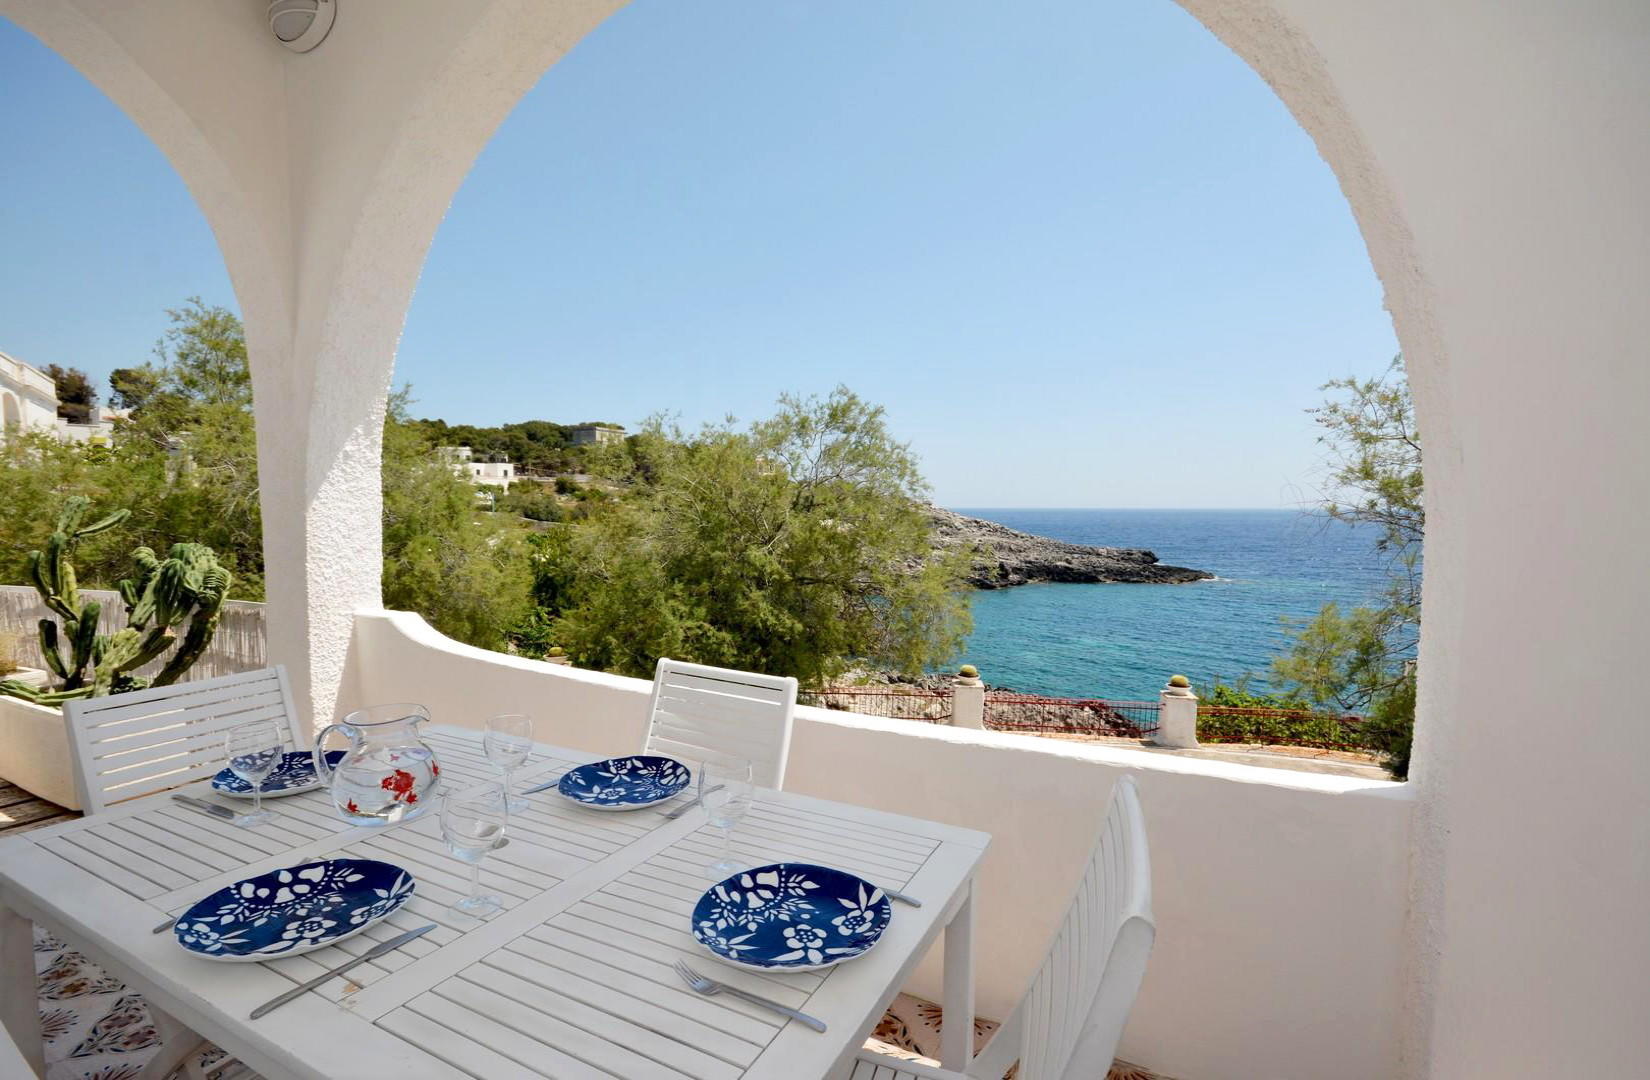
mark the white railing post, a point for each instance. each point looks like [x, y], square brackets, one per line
[968, 699]
[1177, 721]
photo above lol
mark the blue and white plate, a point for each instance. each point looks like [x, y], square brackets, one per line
[296, 910]
[625, 783]
[294, 774]
[790, 917]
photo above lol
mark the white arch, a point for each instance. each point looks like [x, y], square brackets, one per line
[11, 414]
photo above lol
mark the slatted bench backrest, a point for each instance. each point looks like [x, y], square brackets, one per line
[698, 712]
[127, 745]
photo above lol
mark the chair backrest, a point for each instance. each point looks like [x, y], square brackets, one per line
[699, 712]
[126, 745]
[1072, 1018]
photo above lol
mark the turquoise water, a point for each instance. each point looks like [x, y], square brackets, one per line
[1123, 641]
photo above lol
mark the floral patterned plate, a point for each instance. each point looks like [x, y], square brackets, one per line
[294, 775]
[625, 783]
[291, 911]
[790, 917]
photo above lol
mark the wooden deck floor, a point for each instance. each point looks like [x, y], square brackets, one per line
[20, 810]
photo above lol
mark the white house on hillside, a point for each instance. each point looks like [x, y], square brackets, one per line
[28, 399]
[595, 434]
[482, 473]
[99, 430]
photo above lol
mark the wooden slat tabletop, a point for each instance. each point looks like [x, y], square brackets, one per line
[572, 978]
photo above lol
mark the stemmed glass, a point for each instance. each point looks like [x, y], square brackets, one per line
[254, 749]
[725, 792]
[508, 740]
[473, 821]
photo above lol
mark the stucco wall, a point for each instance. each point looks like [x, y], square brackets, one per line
[1279, 896]
[1496, 155]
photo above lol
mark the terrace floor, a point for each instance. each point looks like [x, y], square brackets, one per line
[1295, 758]
[20, 811]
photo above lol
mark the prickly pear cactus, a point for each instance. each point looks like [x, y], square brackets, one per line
[188, 586]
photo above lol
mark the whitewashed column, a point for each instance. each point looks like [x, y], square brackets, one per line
[968, 699]
[1177, 721]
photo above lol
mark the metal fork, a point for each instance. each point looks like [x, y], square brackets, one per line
[710, 988]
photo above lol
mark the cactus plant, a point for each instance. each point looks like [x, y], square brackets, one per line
[1179, 681]
[969, 671]
[187, 585]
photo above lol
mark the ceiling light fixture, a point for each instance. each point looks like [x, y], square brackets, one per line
[301, 25]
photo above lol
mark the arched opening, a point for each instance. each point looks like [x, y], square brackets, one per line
[1018, 248]
[144, 355]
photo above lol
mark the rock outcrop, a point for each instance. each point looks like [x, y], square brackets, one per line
[1006, 557]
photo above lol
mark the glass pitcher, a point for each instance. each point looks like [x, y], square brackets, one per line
[387, 774]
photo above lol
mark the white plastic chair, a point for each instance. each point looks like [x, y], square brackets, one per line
[127, 745]
[1068, 1024]
[699, 712]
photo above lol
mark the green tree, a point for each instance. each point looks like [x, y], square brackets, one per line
[75, 393]
[203, 356]
[1363, 659]
[192, 422]
[131, 388]
[796, 547]
[467, 574]
[187, 465]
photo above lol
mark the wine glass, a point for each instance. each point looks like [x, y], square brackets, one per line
[508, 741]
[725, 793]
[472, 822]
[254, 749]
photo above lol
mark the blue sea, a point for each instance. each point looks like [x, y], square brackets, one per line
[1123, 641]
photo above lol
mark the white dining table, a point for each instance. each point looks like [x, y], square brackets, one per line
[573, 978]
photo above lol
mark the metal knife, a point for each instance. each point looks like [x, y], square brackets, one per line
[201, 804]
[672, 815]
[547, 785]
[893, 894]
[376, 951]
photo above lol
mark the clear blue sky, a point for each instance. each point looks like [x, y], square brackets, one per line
[1085, 258]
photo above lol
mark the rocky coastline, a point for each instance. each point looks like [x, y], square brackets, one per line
[1006, 557]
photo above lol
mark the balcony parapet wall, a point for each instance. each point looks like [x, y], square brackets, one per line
[1280, 896]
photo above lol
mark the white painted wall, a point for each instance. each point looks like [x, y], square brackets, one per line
[1279, 896]
[1495, 152]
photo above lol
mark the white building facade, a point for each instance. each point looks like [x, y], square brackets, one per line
[595, 434]
[499, 474]
[28, 398]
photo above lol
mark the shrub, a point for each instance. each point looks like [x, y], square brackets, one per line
[1237, 714]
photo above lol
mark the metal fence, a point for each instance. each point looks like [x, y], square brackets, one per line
[1006, 711]
[237, 646]
[894, 702]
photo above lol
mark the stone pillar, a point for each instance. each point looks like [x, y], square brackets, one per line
[968, 699]
[1177, 723]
